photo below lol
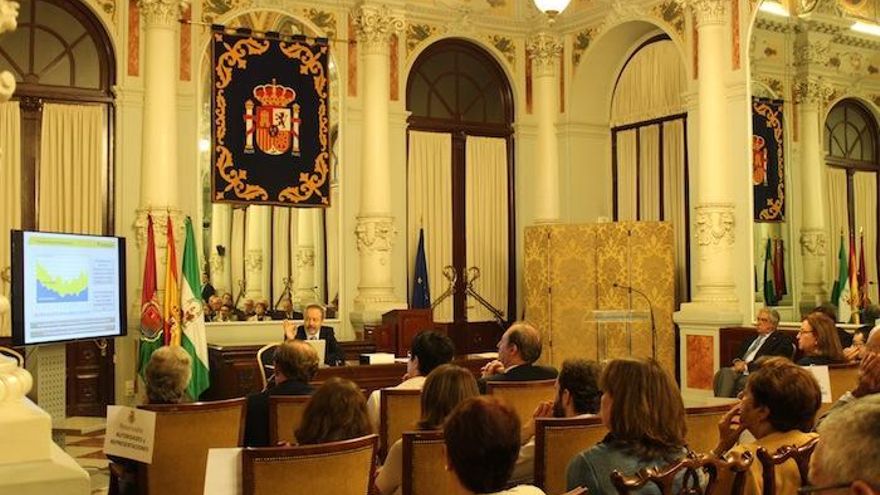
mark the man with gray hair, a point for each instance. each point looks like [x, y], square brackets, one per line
[846, 458]
[868, 381]
[730, 381]
[519, 348]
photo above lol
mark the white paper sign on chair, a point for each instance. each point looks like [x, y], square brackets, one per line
[130, 433]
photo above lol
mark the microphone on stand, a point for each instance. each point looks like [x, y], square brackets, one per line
[650, 311]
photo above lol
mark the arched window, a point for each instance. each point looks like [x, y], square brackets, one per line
[460, 185]
[851, 153]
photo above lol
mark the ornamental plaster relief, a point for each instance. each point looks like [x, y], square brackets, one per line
[544, 49]
[813, 243]
[375, 25]
[305, 257]
[253, 260]
[715, 224]
[375, 234]
[709, 12]
[162, 12]
[813, 89]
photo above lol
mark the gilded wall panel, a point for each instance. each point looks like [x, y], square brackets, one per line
[536, 282]
[613, 266]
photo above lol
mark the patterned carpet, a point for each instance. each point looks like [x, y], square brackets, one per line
[87, 450]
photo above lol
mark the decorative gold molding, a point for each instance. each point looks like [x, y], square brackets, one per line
[162, 12]
[672, 12]
[709, 12]
[323, 20]
[506, 46]
[543, 49]
[580, 44]
[417, 33]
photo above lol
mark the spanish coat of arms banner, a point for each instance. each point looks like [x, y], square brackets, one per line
[768, 160]
[271, 128]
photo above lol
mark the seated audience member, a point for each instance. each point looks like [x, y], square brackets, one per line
[577, 395]
[846, 457]
[856, 349]
[868, 381]
[167, 377]
[482, 437]
[446, 387]
[730, 381]
[778, 408]
[642, 408]
[247, 309]
[818, 341]
[285, 311]
[337, 411]
[225, 314]
[428, 350]
[207, 313]
[215, 304]
[260, 311]
[830, 311]
[313, 329]
[295, 365]
[519, 348]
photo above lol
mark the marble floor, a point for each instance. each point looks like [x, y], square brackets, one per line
[85, 443]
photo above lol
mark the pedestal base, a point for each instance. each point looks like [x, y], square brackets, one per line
[59, 474]
[699, 325]
[27, 433]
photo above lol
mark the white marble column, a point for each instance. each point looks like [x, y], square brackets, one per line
[544, 50]
[810, 93]
[714, 211]
[159, 168]
[375, 228]
[256, 242]
[305, 258]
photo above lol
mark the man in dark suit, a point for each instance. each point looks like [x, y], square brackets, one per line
[312, 329]
[730, 381]
[519, 348]
[295, 364]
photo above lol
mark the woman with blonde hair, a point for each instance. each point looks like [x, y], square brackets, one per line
[818, 341]
[445, 387]
[642, 408]
[337, 411]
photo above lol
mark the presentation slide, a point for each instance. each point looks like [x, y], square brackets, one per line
[71, 287]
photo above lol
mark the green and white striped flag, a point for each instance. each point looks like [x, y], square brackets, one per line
[193, 337]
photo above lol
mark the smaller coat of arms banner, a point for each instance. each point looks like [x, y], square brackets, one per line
[768, 164]
[271, 131]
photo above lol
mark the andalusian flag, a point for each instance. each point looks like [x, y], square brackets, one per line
[840, 294]
[193, 339]
[171, 309]
[151, 318]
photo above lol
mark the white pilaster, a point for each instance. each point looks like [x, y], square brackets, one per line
[221, 235]
[256, 245]
[375, 225]
[544, 50]
[305, 258]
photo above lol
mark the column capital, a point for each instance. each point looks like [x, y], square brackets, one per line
[375, 234]
[375, 25]
[715, 224]
[163, 13]
[812, 90]
[544, 50]
[709, 12]
[160, 226]
[814, 242]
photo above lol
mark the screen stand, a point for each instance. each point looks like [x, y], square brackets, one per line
[48, 365]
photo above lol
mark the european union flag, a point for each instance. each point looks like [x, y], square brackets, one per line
[421, 294]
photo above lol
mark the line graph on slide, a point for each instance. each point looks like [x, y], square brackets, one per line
[62, 280]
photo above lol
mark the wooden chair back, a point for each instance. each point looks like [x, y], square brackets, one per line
[524, 397]
[399, 411]
[557, 441]
[702, 426]
[769, 462]
[184, 433]
[688, 472]
[285, 416]
[337, 468]
[843, 377]
[424, 465]
[266, 357]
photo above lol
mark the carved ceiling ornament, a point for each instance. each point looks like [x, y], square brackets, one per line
[544, 50]
[375, 234]
[375, 24]
[812, 89]
[813, 243]
[709, 12]
[162, 12]
[715, 224]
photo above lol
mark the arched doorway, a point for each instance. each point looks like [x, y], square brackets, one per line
[460, 187]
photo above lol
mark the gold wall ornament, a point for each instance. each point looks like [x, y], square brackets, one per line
[581, 42]
[715, 224]
[813, 90]
[417, 33]
[672, 13]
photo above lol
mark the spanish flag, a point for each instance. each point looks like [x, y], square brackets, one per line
[171, 309]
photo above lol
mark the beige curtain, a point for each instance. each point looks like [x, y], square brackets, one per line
[10, 190]
[649, 173]
[627, 189]
[674, 199]
[486, 202]
[650, 85]
[429, 207]
[72, 169]
[835, 206]
[865, 190]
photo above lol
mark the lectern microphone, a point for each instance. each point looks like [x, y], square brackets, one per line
[631, 289]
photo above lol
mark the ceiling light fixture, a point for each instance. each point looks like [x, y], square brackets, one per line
[774, 8]
[551, 8]
[866, 28]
